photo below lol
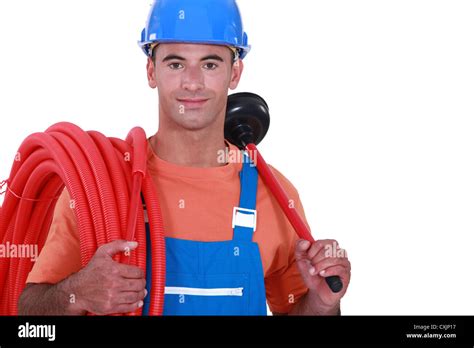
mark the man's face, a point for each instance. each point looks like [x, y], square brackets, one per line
[193, 81]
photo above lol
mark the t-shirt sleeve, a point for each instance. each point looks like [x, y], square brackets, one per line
[60, 256]
[284, 285]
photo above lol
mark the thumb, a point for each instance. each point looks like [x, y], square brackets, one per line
[302, 261]
[301, 248]
[115, 247]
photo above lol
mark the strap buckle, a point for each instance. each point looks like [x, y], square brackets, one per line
[244, 218]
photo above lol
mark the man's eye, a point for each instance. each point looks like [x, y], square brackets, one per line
[175, 66]
[210, 66]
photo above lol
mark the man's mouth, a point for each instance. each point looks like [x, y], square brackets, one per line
[192, 103]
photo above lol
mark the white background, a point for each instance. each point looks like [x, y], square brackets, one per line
[372, 120]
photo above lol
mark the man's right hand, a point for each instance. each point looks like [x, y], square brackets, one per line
[105, 286]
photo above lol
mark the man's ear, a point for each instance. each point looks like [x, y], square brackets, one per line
[150, 70]
[237, 69]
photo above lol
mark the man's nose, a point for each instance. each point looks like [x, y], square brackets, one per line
[193, 79]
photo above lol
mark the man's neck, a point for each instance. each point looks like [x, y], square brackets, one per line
[189, 148]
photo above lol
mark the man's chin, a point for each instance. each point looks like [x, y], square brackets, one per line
[193, 123]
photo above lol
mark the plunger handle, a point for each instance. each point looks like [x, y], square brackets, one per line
[334, 282]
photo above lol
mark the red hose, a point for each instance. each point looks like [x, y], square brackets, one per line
[104, 177]
[302, 230]
[282, 198]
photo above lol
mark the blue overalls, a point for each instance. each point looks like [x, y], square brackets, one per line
[216, 278]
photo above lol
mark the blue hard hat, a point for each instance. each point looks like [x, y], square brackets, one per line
[216, 22]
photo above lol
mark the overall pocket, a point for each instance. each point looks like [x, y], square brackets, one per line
[192, 294]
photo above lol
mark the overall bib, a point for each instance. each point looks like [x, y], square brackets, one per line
[217, 278]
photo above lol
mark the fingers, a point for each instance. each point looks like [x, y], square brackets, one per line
[133, 285]
[304, 249]
[131, 297]
[337, 270]
[130, 301]
[127, 308]
[115, 247]
[301, 249]
[324, 255]
[320, 247]
[321, 255]
[130, 272]
[122, 287]
[114, 300]
[322, 266]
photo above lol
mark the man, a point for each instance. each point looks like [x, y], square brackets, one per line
[214, 265]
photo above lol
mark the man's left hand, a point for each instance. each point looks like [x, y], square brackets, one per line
[319, 260]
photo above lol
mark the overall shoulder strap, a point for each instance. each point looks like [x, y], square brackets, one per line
[244, 220]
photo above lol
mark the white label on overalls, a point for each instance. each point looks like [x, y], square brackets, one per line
[173, 290]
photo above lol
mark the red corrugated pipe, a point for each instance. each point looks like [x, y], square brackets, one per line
[104, 177]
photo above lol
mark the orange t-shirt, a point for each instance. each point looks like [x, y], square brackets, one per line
[196, 204]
